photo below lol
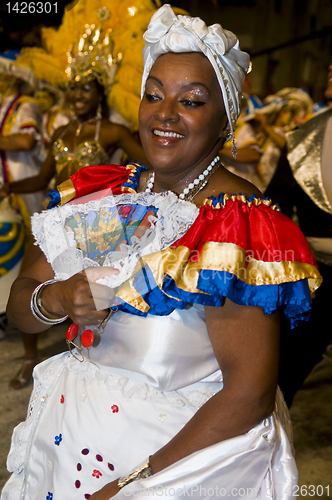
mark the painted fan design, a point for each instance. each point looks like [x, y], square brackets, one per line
[97, 233]
[116, 231]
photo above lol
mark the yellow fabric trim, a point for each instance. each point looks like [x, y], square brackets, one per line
[127, 189]
[67, 191]
[216, 257]
[229, 257]
[243, 198]
[10, 235]
[131, 179]
[29, 124]
[128, 293]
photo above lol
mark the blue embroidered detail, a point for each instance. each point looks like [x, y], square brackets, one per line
[134, 175]
[58, 439]
[49, 496]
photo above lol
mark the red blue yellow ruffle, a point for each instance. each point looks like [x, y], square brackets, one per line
[238, 247]
[120, 179]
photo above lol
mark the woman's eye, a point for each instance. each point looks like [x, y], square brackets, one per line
[151, 97]
[188, 103]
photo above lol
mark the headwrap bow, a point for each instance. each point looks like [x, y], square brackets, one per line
[170, 33]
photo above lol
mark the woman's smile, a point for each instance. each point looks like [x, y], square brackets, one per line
[166, 135]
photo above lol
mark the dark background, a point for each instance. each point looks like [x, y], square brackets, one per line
[289, 41]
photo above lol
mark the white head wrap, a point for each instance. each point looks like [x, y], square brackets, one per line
[170, 33]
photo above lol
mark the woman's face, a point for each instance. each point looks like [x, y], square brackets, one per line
[182, 116]
[84, 96]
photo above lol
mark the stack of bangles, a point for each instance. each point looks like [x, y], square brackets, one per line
[142, 471]
[37, 309]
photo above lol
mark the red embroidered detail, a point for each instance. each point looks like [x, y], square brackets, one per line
[96, 473]
[62, 399]
[115, 408]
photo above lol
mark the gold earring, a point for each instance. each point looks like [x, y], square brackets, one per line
[233, 147]
[99, 115]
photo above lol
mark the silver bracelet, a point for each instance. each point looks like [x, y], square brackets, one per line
[142, 471]
[38, 311]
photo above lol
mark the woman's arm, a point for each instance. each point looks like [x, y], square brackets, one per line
[246, 345]
[17, 142]
[37, 182]
[32, 184]
[121, 137]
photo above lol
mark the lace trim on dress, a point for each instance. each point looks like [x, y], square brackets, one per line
[195, 395]
[172, 220]
[18, 458]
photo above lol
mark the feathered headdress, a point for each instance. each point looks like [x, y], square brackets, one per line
[127, 21]
[94, 56]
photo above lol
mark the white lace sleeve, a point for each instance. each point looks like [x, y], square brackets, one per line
[67, 256]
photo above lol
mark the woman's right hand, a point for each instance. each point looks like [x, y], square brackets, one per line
[85, 301]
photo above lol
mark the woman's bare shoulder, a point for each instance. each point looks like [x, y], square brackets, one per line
[233, 184]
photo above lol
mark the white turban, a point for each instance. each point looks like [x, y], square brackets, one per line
[170, 33]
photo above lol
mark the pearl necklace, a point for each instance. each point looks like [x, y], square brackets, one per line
[194, 187]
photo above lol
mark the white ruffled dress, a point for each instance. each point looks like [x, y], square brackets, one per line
[91, 422]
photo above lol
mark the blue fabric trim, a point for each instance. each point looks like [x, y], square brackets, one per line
[220, 198]
[292, 298]
[134, 176]
[55, 198]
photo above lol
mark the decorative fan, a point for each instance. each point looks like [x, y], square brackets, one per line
[114, 231]
[103, 236]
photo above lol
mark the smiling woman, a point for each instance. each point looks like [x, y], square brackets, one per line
[177, 395]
